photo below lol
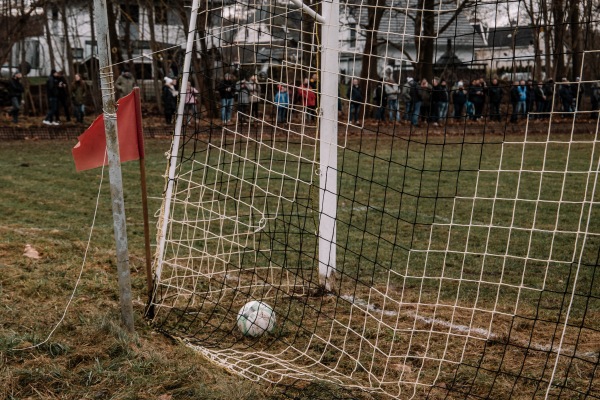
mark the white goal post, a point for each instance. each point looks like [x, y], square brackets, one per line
[418, 229]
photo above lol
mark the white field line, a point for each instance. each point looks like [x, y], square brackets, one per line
[591, 356]
[437, 218]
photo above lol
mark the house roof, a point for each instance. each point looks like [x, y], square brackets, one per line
[397, 25]
[398, 22]
[504, 36]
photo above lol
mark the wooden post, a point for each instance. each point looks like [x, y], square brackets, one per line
[142, 153]
[114, 164]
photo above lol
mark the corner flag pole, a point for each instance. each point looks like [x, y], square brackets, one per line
[142, 153]
[114, 164]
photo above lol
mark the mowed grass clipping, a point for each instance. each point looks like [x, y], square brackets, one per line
[48, 205]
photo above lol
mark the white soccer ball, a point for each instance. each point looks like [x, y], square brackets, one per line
[256, 318]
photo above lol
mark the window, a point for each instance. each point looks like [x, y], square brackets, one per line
[77, 53]
[130, 16]
[91, 47]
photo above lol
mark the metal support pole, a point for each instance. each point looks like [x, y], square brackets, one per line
[162, 230]
[114, 164]
[328, 146]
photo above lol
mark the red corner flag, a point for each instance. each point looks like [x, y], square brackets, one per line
[90, 151]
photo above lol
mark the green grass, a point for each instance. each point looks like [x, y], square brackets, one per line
[427, 220]
[469, 231]
[47, 204]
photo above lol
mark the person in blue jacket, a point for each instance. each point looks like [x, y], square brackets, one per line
[282, 101]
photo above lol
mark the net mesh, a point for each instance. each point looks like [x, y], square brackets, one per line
[466, 234]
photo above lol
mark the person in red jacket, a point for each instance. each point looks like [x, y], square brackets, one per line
[309, 100]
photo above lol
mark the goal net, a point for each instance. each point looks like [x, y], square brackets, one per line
[421, 225]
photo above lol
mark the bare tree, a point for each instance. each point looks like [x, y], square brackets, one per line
[559, 29]
[535, 19]
[207, 84]
[17, 22]
[576, 43]
[68, 47]
[369, 74]
[154, 48]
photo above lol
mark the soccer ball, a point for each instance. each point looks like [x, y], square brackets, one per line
[256, 318]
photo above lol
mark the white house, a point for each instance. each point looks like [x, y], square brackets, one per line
[455, 38]
[508, 48]
[168, 29]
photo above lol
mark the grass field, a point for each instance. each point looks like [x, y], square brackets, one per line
[47, 204]
[429, 230]
[456, 255]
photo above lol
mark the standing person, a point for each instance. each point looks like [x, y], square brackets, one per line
[356, 99]
[459, 99]
[416, 100]
[309, 100]
[577, 94]
[391, 92]
[226, 90]
[78, 91]
[518, 97]
[255, 93]
[63, 96]
[540, 100]
[549, 93]
[443, 98]
[477, 98]
[595, 100]
[495, 94]
[484, 94]
[243, 93]
[169, 99]
[566, 98]
[124, 84]
[341, 87]
[380, 102]
[425, 95]
[15, 91]
[191, 102]
[52, 94]
[282, 101]
[435, 98]
[406, 99]
[314, 83]
[530, 102]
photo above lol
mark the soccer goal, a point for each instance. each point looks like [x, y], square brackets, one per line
[417, 224]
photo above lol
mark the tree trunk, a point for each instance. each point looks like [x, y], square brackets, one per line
[559, 37]
[547, 37]
[126, 16]
[208, 85]
[424, 39]
[117, 56]
[28, 106]
[68, 49]
[93, 73]
[49, 40]
[369, 76]
[154, 48]
[576, 45]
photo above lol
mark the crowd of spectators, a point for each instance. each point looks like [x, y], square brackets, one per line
[420, 101]
[415, 101]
